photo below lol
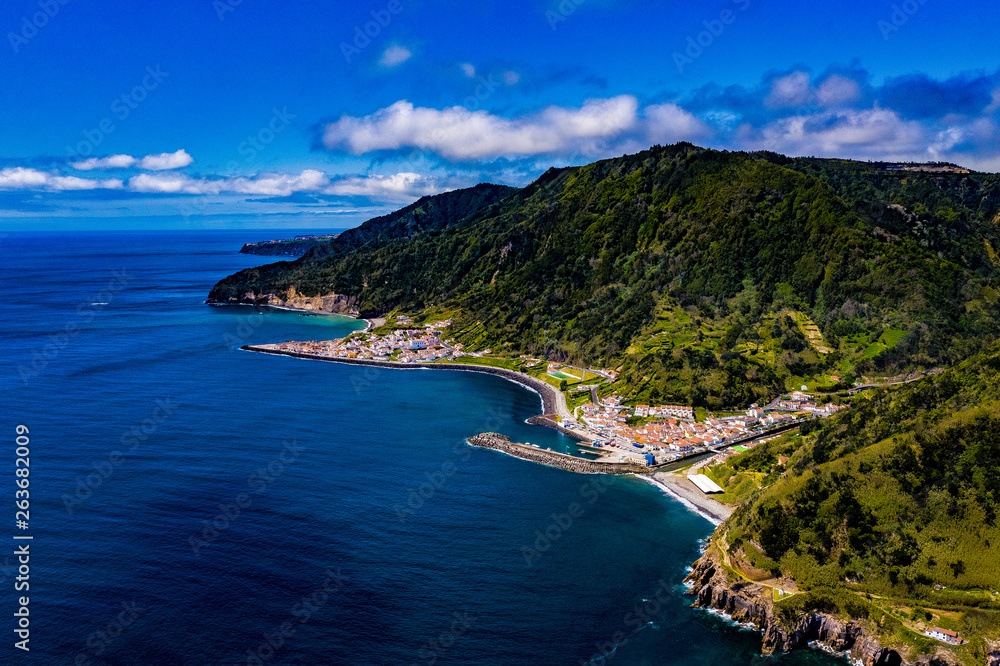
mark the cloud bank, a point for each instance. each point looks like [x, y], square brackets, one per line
[836, 113]
[456, 133]
[161, 162]
[398, 187]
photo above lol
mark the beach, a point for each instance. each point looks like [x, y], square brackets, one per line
[680, 488]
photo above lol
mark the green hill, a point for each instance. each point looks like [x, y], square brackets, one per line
[887, 514]
[712, 278]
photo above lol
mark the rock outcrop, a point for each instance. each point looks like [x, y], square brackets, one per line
[328, 303]
[752, 603]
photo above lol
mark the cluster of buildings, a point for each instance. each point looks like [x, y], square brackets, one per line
[678, 411]
[675, 433]
[403, 345]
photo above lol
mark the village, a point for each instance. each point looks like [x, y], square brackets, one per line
[673, 432]
[401, 345]
[644, 434]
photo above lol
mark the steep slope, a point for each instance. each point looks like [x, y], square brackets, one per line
[888, 513]
[309, 277]
[954, 214]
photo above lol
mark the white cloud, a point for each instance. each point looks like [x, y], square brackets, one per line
[160, 162]
[789, 91]
[944, 142]
[395, 55]
[111, 162]
[169, 184]
[861, 134]
[599, 127]
[399, 186]
[669, 123]
[994, 102]
[838, 91]
[20, 178]
[468, 69]
[163, 161]
[511, 78]
[404, 186]
[279, 184]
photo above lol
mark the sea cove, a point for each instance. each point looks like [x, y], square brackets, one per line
[367, 442]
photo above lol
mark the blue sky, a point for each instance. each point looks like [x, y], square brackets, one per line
[208, 113]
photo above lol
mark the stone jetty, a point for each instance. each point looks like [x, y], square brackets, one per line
[498, 442]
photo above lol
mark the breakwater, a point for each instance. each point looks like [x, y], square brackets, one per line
[549, 398]
[498, 442]
[549, 423]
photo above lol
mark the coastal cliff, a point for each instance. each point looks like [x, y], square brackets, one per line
[748, 602]
[328, 303]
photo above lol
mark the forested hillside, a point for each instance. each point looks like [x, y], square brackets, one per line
[893, 505]
[708, 277]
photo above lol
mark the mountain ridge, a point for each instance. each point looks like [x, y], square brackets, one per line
[731, 253]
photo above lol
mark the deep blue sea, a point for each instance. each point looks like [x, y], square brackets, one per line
[196, 504]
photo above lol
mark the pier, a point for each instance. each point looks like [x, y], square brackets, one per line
[492, 440]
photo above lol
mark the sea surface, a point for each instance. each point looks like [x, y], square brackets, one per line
[196, 504]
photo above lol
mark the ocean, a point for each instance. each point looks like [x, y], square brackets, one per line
[192, 503]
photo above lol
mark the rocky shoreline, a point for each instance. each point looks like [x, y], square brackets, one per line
[752, 603]
[327, 303]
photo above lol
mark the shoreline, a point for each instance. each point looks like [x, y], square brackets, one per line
[675, 486]
[683, 491]
[553, 402]
[370, 323]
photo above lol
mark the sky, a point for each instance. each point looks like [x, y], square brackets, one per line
[265, 113]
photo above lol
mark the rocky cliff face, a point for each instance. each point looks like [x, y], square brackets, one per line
[748, 602]
[329, 303]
